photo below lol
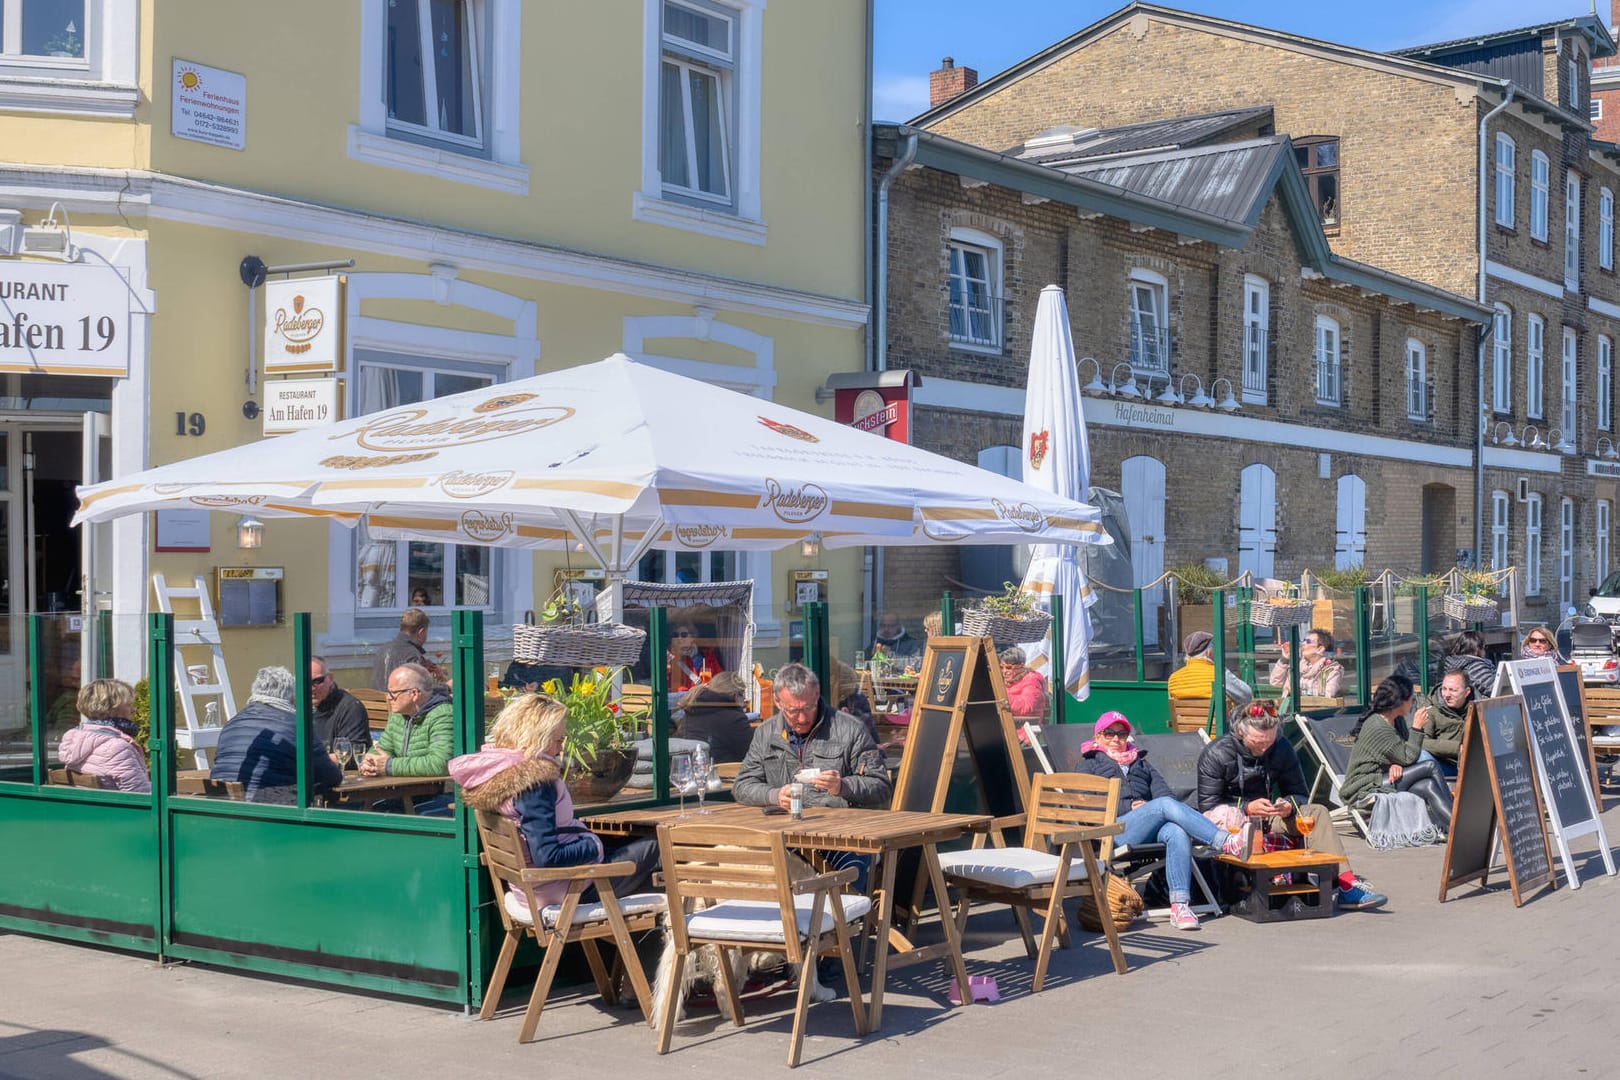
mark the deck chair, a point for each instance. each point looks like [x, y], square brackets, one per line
[754, 904]
[555, 925]
[1073, 812]
[1330, 740]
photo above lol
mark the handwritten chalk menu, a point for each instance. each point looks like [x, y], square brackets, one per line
[1566, 787]
[1574, 689]
[1496, 792]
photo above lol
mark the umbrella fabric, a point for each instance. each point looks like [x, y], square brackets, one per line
[1057, 460]
[614, 455]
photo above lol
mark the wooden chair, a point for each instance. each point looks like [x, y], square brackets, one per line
[754, 905]
[69, 778]
[1190, 714]
[194, 784]
[555, 925]
[1603, 711]
[376, 703]
[635, 700]
[1074, 812]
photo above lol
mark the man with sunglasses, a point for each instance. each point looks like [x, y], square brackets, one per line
[421, 725]
[337, 713]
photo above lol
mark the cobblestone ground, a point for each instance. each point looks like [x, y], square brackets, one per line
[1470, 987]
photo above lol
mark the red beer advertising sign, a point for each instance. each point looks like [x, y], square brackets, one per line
[881, 410]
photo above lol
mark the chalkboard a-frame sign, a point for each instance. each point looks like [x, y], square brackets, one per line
[1561, 765]
[1496, 789]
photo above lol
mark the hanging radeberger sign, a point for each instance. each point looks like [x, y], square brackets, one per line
[303, 320]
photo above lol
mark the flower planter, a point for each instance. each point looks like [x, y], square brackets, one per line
[1264, 614]
[604, 778]
[586, 645]
[1005, 629]
[1470, 609]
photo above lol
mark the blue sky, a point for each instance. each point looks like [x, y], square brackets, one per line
[912, 35]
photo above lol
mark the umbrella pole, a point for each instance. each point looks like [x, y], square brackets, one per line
[1059, 677]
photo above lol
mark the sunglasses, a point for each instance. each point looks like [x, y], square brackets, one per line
[1259, 708]
[1112, 734]
[317, 680]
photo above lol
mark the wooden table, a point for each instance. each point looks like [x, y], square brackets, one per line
[1257, 876]
[355, 788]
[883, 833]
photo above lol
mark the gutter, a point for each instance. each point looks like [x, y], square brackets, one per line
[880, 320]
[868, 560]
[1484, 334]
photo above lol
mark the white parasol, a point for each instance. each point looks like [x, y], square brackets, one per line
[1058, 460]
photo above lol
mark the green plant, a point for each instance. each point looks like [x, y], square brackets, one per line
[1012, 602]
[594, 723]
[1195, 583]
[1341, 580]
[141, 713]
[1409, 586]
[1476, 585]
[562, 607]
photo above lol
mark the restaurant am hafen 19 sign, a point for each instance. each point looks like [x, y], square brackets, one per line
[64, 319]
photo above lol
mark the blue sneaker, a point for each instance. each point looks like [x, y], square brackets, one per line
[1359, 896]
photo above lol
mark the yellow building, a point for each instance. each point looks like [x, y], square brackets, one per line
[520, 186]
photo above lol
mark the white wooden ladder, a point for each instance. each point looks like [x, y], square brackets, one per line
[200, 679]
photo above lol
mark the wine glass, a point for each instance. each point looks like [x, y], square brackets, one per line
[700, 774]
[680, 776]
[1306, 823]
[344, 751]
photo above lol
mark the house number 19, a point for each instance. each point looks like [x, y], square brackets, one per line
[189, 423]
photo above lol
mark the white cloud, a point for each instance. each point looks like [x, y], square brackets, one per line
[899, 97]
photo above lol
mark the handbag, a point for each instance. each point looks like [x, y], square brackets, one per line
[1122, 901]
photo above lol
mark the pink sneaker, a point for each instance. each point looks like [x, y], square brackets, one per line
[1182, 917]
[1234, 842]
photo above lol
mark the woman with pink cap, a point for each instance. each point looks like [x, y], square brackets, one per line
[1150, 813]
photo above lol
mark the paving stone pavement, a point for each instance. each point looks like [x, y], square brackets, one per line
[1473, 987]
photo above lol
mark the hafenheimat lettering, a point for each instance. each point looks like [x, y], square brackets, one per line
[64, 319]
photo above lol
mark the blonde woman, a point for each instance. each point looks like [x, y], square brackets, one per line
[103, 745]
[518, 774]
[1540, 642]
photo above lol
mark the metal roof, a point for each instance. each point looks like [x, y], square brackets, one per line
[1064, 144]
[1589, 25]
[1231, 181]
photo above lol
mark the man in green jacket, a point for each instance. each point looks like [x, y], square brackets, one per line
[417, 740]
[1448, 713]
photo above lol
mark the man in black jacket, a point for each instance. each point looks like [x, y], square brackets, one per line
[337, 715]
[1252, 773]
[258, 747]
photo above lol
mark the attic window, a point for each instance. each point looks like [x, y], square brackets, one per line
[1318, 157]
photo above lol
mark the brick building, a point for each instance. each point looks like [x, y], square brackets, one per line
[1390, 148]
[1269, 403]
[1604, 107]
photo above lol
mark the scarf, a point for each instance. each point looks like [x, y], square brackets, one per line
[123, 727]
[1123, 758]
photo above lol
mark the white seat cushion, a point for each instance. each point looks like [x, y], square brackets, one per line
[760, 920]
[1009, 868]
[634, 904]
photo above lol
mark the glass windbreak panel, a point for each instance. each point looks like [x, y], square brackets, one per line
[10, 629]
[53, 28]
[95, 729]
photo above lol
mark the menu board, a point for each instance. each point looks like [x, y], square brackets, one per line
[1496, 793]
[1574, 690]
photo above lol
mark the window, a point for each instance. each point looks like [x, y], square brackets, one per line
[1499, 533]
[1327, 361]
[1602, 545]
[1417, 380]
[1606, 229]
[1534, 366]
[701, 117]
[1538, 194]
[88, 50]
[1502, 360]
[1150, 333]
[1566, 416]
[1566, 553]
[1532, 545]
[1256, 321]
[1605, 383]
[1572, 231]
[1350, 543]
[1594, 109]
[1506, 153]
[974, 287]
[1572, 81]
[1318, 158]
[440, 88]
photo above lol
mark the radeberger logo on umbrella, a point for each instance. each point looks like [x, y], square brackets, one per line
[1026, 517]
[789, 430]
[429, 426]
[795, 505]
[225, 502]
[485, 528]
[1039, 441]
[698, 536]
[462, 484]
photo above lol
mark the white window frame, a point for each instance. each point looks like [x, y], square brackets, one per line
[1601, 548]
[1502, 361]
[1594, 108]
[974, 240]
[1540, 179]
[1570, 364]
[1155, 288]
[1532, 545]
[1417, 381]
[1606, 229]
[1501, 506]
[740, 221]
[1566, 553]
[1605, 382]
[1328, 353]
[1256, 331]
[1535, 367]
[102, 83]
[497, 163]
[1572, 231]
[1506, 157]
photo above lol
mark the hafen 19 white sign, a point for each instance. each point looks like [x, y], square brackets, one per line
[295, 404]
[302, 320]
[64, 319]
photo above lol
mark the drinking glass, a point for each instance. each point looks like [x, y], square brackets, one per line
[700, 775]
[680, 775]
[1306, 823]
[344, 751]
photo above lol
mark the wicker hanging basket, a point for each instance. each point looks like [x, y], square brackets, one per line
[1005, 629]
[1469, 609]
[586, 645]
[1264, 614]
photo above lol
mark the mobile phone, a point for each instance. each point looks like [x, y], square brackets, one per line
[773, 810]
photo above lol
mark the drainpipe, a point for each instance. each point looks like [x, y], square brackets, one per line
[1484, 333]
[880, 319]
[868, 565]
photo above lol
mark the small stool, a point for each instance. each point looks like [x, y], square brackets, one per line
[1254, 891]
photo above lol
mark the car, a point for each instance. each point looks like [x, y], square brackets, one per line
[1591, 646]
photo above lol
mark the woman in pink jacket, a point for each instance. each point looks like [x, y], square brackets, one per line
[1026, 689]
[103, 745]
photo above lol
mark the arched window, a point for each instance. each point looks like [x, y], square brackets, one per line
[1566, 553]
[1502, 361]
[1257, 521]
[1501, 503]
[1540, 170]
[1329, 386]
[1417, 380]
[1142, 483]
[1535, 366]
[1532, 545]
[1350, 547]
[1506, 154]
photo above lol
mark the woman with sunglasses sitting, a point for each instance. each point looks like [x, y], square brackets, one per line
[1150, 813]
[1540, 642]
[689, 664]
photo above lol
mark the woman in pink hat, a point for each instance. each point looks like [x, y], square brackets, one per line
[1150, 813]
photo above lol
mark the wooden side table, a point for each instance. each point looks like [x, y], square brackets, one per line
[1276, 886]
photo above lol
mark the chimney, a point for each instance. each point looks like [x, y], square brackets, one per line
[951, 80]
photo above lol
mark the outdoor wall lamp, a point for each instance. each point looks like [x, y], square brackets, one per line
[810, 546]
[1128, 390]
[1227, 403]
[1561, 444]
[1611, 453]
[1168, 396]
[1198, 399]
[1096, 385]
[249, 533]
[1498, 439]
[50, 239]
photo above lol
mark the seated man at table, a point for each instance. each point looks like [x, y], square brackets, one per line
[1448, 714]
[893, 638]
[1195, 678]
[338, 714]
[258, 747]
[1251, 773]
[421, 723]
[833, 750]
